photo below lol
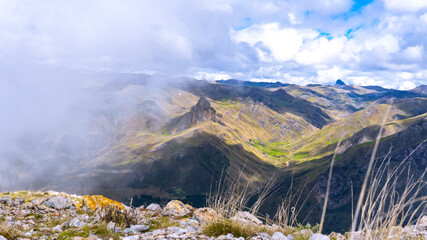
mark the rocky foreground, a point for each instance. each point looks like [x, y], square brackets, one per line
[52, 215]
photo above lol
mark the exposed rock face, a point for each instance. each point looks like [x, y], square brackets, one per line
[340, 191]
[199, 113]
[202, 111]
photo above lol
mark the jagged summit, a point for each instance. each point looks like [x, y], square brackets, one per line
[202, 111]
[339, 82]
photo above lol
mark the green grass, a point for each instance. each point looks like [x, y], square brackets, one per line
[224, 227]
[162, 222]
[300, 155]
[98, 230]
[271, 150]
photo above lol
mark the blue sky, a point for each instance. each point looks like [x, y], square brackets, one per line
[366, 42]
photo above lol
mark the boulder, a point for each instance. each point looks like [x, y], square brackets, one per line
[75, 222]
[177, 208]
[139, 228]
[154, 207]
[98, 201]
[246, 217]
[58, 203]
[278, 236]
[205, 215]
[318, 236]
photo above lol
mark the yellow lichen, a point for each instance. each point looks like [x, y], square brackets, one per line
[98, 201]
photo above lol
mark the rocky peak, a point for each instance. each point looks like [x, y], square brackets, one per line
[202, 111]
[340, 83]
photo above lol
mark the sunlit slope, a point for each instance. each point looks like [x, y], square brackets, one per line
[363, 124]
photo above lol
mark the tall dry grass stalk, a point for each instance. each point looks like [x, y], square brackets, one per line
[387, 206]
[232, 196]
[328, 187]
[291, 207]
[368, 172]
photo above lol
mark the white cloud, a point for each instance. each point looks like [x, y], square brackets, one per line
[211, 76]
[414, 53]
[331, 75]
[407, 85]
[284, 43]
[405, 5]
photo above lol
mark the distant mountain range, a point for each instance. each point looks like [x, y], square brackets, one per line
[181, 137]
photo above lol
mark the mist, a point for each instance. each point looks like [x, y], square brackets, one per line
[54, 120]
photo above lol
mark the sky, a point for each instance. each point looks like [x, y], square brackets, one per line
[363, 42]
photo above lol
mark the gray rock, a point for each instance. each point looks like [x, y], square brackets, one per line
[2, 238]
[158, 232]
[264, 235]
[139, 228]
[19, 201]
[230, 235]
[130, 238]
[177, 230]
[58, 203]
[6, 200]
[278, 236]
[246, 217]
[75, 222]
[65, 225]
[318, 236]
[154, 207]
[57, 229]
[290, 237]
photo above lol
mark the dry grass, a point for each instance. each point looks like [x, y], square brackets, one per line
[122, 218]
[9, 232]
[233, 197]
[222, 227]
[162, 222]
[387, 206]
[291, 206]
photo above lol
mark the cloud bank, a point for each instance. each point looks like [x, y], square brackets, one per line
[363, 42]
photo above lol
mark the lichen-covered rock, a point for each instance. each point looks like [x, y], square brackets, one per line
[177, 208]
[98, 201]
[205, 215]
[246, 217]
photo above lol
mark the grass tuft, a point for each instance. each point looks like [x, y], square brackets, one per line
[9, 232]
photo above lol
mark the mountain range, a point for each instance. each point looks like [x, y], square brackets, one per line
[177, 138]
